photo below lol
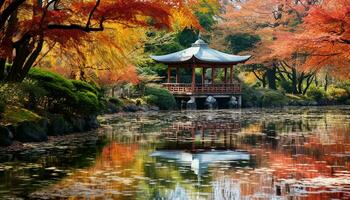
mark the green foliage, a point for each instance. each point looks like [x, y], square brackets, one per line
[84, 86]
[150, 99]
[337, 95]
[273, 98]
[317, 94]
[117, 102]
[14, 115]
[34, 94]
[187, 36]
[241, 42]
[286, 86]
[250, 97]
[206, 20]
[253, 97]
[160, 97]
[67, 96]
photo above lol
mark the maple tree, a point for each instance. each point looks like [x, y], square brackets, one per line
[323, 38]
[28, 27]
[268, 20]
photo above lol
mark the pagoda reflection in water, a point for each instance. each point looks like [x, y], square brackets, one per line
[199, 143]
[203, 133]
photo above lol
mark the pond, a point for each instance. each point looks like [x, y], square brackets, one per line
[289, 153]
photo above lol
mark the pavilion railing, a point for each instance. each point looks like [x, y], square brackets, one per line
[187, 88]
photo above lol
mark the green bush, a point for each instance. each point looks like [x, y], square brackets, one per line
[117, 102]
[34, 94]
[150, 99]
[67, 96]
[337, 95]
[251, 96]
[317, 94]
[272, 98]
[164, 99]
[84, 86]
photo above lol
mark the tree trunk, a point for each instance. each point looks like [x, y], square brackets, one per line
[271, 77]
[264, 81]
[308, 83]
[300, 83]
[294, 81]
[326, 83]
[2, 68]
[27, 50]
[113, 91]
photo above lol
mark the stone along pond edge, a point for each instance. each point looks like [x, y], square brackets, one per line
[38, 130]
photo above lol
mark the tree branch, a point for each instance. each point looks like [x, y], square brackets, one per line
[8, 11]
[92, 13]
[77, 27]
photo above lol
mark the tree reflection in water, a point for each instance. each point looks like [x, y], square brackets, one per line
[256, 154]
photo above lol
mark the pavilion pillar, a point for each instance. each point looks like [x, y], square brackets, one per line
[177, 75]
[193, 77]
[212, 75]
[203, 75]
[231, 74]
[225, 75]
[169, 74]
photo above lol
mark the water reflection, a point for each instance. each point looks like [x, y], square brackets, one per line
[199, 162]
[249, 154]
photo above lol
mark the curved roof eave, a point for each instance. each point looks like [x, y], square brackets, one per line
[200, 53]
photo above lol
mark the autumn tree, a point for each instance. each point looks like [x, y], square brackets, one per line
[323, 39]
[267, 19]
[29, 27]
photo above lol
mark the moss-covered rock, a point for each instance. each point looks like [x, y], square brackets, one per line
[15, 115]
[91, 122]
[31, 131]
[78, 123]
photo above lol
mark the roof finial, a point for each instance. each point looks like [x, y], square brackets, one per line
[199, 35]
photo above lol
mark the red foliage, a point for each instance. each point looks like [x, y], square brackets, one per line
[324, 38]
[128, 75]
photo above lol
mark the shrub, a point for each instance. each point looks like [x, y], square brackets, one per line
[165, 100]
[337, 95]
[117, 102]
[151, 99]
[272, 98]
[87, 103]
[84, 86]
[286, 86]
[250, 97]
[317, 94]
[34, 94]
[68, 96]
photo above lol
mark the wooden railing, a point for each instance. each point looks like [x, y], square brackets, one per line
[188, 89]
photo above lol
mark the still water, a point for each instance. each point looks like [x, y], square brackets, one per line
[290, 153]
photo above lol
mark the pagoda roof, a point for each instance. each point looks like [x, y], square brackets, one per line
[200, 52]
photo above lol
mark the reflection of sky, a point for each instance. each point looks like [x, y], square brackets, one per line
[199, 161]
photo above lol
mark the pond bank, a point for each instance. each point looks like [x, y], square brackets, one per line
[29, 150]
[38, 128]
